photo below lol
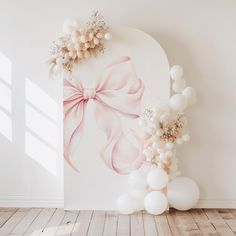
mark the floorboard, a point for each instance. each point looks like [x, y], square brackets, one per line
[51, 222]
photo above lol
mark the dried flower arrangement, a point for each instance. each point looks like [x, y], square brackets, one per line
[78, 43]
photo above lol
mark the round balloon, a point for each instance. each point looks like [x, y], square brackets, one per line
[176, 72]
[182, 193]
[178, 102]
[155, 202]
[157, 178]
[125, 204]
[190, 94]
[138, 195]
[137, 179]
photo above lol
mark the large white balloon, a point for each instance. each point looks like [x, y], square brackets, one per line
[176, 72]
[178, 102]
[138, 195]
[182, 193]
[190, 94]
[137, 179]
[157, 178]
[125, 204]
[155, 202]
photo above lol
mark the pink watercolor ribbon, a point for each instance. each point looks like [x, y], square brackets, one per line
[118, 92]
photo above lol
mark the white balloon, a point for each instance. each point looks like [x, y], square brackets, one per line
[176, 72]
[157, 178]
[142, 122]
[137, 179]
[162, 156]
[125, 204]
[169, 146]
[108, 36]
[179, 141]
[178, 102]
[179, 85]
[138, 196]
[186, 137]
[190, 94]
[155, 202]
[182, 193]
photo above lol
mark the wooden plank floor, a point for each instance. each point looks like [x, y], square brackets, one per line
[48, 222]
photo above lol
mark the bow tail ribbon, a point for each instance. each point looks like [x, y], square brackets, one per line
[123, 150]
[73, 124]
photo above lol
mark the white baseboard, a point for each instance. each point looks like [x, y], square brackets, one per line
[19, 201]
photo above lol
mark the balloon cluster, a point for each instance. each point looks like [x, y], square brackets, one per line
[157, 184]
[78, 43]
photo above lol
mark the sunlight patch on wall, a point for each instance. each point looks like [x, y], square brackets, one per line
[38, 98]
[41, 135]
[5, 125]
[5, 68]
[41, 126]
[5, 97]
[41, 153]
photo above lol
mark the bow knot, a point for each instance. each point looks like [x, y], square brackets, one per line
[117, 95]
[89, 93]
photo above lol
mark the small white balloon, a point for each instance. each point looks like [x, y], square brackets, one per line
[125, 204]
[178, 102]
[76, 24]
[190, 94]
[186, 137]
[142, 122]
[162, 156]
[169, 146]
[138, 196]
[176, 72]
[83, 39]
[182, 193]
[157, 178]
[179, 141]
[159, 132]
[165, 117]
[154, 145]
[137, 179]
[108, 36]
[155, 202]
[59, 60]
[179, 85]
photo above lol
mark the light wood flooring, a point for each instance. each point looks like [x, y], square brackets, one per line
[48, 222]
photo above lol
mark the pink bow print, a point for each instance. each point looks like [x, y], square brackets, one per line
[118, 93]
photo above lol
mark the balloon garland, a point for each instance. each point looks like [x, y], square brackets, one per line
[157, 184]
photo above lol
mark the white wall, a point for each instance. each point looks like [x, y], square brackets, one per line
[200, 35]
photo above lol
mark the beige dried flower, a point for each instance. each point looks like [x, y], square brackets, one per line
[78, 44]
